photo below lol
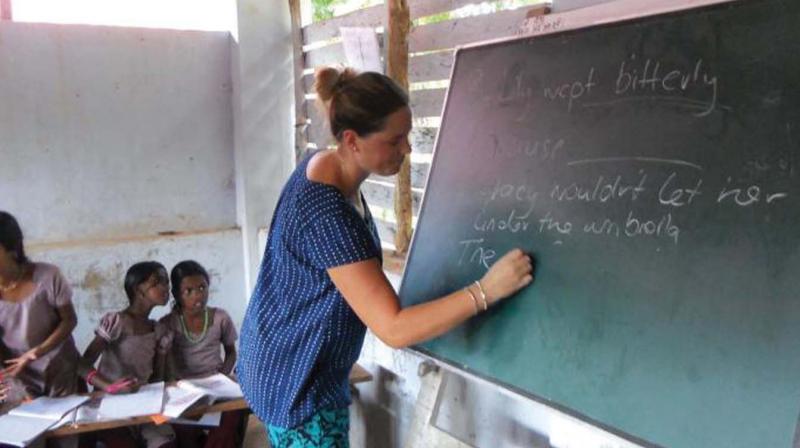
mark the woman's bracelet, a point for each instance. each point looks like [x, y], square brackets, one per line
[90, 376]
[474, 300]
[483, 295]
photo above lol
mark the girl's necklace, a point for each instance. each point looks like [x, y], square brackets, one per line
[13, 284]
[188, 334]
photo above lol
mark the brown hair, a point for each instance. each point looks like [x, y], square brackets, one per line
[357, 101]
[11, 237]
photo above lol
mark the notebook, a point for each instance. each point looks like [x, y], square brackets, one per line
[148, 400]
[186, 393]
[23, 424]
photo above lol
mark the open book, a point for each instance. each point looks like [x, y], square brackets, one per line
[23, 424]
[186, 393]
[148, 400]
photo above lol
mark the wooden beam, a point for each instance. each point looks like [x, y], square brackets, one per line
[5, 10]
[397, 69]
[431, 66]
[427, 102]
[371, 16]
[300, 113]
[467, 30]
[379, 194]
[424, 8]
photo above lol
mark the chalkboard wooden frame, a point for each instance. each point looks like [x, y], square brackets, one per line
[511, 389]
[588, 18]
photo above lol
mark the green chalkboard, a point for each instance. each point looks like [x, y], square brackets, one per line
[651, 166]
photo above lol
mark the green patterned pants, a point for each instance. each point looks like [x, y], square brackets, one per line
[326, 429]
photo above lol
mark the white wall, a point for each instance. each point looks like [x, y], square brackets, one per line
[116, 146]
[113, 132]
[263, 111]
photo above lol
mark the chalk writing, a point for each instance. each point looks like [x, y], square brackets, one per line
[647, 77]
[516, 85]
[514, 221]
[748, 195]
[659, 227]
[604, 227]
[548, 223]
[571, 91]
[668, 194]
[515, 192]
[543, 149]
[474, 252]
[603, 190]
[541, 24]
[639, 159]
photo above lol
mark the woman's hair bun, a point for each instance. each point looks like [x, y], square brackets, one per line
[327, 80]
[357, 101]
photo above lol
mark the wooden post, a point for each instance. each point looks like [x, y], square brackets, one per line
[5, 10]
[300, 113]
[540, 10]
[397, 69]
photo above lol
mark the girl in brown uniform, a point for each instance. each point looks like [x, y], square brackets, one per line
[133, 348]
[38, 353]
[199, 332]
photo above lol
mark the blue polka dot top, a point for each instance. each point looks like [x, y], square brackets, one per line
[299, 337]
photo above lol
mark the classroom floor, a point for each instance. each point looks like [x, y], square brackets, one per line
[255, 437]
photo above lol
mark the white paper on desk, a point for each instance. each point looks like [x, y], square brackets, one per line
[20, 430]
[26, 422]
[85, 413]
[89, 412]
[50, 408]
[179, 399]
[149, 400]
[67, 419]
[361, 48]
[210, 419]
[216, 386]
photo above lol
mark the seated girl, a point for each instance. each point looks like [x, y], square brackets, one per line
[132, 349]
[39, 357]
[199, 332]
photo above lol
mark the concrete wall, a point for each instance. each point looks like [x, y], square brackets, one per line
[117, 146]
[263, 111]
[96, 271]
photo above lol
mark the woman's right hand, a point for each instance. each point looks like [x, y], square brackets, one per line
[512, 272]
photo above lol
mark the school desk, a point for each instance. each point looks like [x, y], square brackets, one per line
[357, 375]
